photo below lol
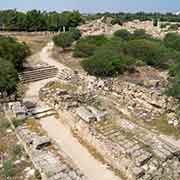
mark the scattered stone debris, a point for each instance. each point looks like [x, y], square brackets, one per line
[144, 103]
[98, 27]
[18, 109]
[52, 165]
[136, 152]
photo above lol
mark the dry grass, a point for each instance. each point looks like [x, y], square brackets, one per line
[8, 141]
[67, 59]
[62, 85]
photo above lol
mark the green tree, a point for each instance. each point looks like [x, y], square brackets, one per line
[172, 40]
[152, 53]
[8, 76]
[12, 50]
[106, 62]
[86, 46]
[63, 40]
[124, 34]
[76, 34]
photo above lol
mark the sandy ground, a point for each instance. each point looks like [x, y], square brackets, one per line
[92, 168]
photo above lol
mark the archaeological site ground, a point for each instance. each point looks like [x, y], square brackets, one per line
[89, 97]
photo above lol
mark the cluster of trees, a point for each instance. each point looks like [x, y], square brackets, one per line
[12, 56]
[142, 16]
[34, 20]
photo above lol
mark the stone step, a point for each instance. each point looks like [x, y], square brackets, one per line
[39, 69]
[45, 114]
[38, 75]
[28, 80]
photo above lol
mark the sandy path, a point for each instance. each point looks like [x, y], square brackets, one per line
[91, 167]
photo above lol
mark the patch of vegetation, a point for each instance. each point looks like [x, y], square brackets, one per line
[123, 34]
[174, 88]
[4, 125]
[76, 34]
[18, 122]
[162, 126]
[106, 62]
[12, 56]
[174, 27]
[86, 46]
[64, 40]
[61, 85]
[16, 151]
[8, 169]
[152, 53]
[34, 20]
[172, 40]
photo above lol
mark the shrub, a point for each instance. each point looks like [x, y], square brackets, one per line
[172, 40]
[4, 124]
[117, 21]
[123, 33]
[174, 89]
[63, 40]
[174, 27]
[8, 169]
[85, 47]
[152, 53]
[76, 34]
[155, 22]
[12, 50]
[16, 151]
[18, 122]
[140, 34]
[106, 62]
[8, 76]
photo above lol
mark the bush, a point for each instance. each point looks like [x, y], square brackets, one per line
[106, 62]
[8, 76]
[140, 34]
[64, 40]
[4, 125]
[172, 40]
[123, 33]
[18, 122]
[76, 34]
[152, 53]
[174, 89]
[12, 50]
[8, 169]
[155, 22]
[85, 47]
[174, 27]
[16, 151]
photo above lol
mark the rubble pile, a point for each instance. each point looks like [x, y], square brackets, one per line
[148, 26]
[98, 27]
[52, 165]
[135, 152]
[63, 98]
[144, 103]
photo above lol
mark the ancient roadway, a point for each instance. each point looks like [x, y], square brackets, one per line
[92, 168]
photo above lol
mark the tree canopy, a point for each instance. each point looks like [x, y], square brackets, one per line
[12, 57]
[34, 20]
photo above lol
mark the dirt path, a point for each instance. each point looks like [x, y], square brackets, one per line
[91, 167]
